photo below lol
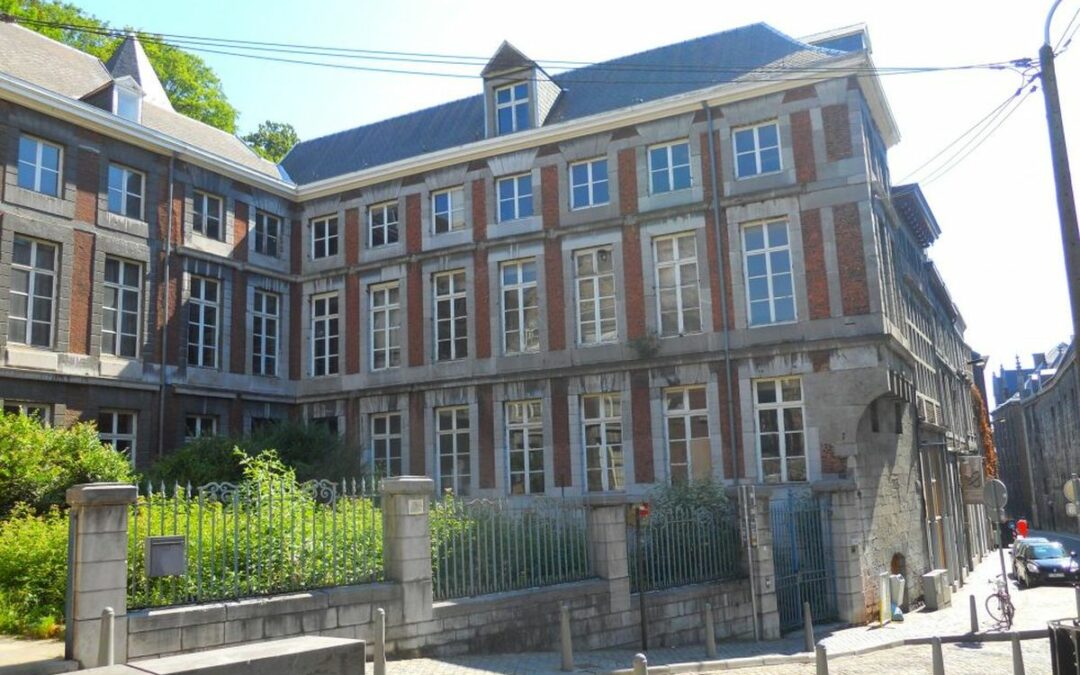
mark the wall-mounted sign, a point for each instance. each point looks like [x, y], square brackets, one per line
[972, 478]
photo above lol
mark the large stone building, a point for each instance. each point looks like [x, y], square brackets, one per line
[681, 264]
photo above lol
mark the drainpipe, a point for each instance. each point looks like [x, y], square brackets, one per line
[163, 377]
[726, 329]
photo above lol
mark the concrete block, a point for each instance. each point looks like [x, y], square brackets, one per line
[202, 636]
[281, 625]
[416, 600]
[306, 655]
[98, 521]
[244, 630]
[360, 594]
[175, 617]
[93, 547]
[89, 605]
[277, 604]
[154, 643]
[319, 619]
[349, 615]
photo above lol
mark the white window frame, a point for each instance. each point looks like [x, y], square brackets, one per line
[123, 191]
[205, 426]
[770, 275]
[512, 104]
[43, 411]
[121, 309]
[779, 406]
[459, 481]
[518, 198]
[114, 437]
[125, 95]
[328, 239]
[386, 226]
[527, 418]
[522, 343]
[685, 416]
[382, 443]
[35, 276]
[671, 167]
[757, 149]
[201, 217]
[596, 298]
[678, 264]
[265, 333]
[611, 457]
[449, 301]
[330, 338]
[455, 215]
[384, 306]
[267, 239]
[590, 184]
[38, 165]
[197, 327]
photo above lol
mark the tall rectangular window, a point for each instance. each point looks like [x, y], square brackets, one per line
[770, 293]
[602, 430]
[521, 309]
[324, 237]
[207, 215]
[382, 224]
[686, 418]
[126, 191]
[39, 165]
[386, 443]
[385, 326]
[757, 150]
[265, 317]
[515, 197]
[39, 411]
[780, 430]
[120, 309]
[117, 428]
[451, 316]
[448, 210]
[203, 322]
[677, 290]
[198, 426]
[512, 108]
[452, 439]
[525, 446]
[669, 167]
[588, 184]
[267, 233]
[594, 284]
[32, 293]
[324, 334]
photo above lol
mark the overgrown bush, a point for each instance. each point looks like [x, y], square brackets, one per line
[33, 572]
[39, 463]
[702, 494]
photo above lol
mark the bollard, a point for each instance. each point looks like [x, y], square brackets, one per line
[1018, 656]
[939, 660]
[641, 665]
[974, 613]
[808, 627]
[566, 641]
[106, 655]
[710, 632]
[380, 641]
[821, 659]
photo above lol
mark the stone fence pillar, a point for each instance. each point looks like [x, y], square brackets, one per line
[407, 542]
[607, 547]
[97, 568]
[761, 557]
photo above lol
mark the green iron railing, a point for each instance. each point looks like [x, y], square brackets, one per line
[680, 545]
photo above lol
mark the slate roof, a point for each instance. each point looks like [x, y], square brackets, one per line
[646, 76]
[130, 59]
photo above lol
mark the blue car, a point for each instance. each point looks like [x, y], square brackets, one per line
[1045, 563]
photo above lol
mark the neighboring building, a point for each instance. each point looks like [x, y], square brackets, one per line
[1037, 434]
[1007, 383]
[588, 282]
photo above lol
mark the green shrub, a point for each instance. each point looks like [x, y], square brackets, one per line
[39, 463]
[203, 460]
[702, 494]
[33, 572]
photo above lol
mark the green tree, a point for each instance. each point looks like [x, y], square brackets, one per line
[194, 89]
[272, 140]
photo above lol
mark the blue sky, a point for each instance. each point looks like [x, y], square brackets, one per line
[1000, 248]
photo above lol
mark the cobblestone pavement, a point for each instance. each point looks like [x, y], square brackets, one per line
[1034, 608]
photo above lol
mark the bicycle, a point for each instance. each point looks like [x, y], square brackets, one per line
[999, 605]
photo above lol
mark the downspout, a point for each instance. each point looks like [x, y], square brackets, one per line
[163, 368]
[725, 332]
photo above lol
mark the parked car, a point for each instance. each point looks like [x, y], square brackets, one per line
[1037, 562]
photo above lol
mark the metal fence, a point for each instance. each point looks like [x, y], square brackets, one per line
[682, 545]
[802, 557]
[488, 546]
[253, 539]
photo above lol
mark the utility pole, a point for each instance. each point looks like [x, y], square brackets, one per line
[1059, 154]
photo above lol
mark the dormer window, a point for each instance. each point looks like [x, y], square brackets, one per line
[512, 108]
[127, 99]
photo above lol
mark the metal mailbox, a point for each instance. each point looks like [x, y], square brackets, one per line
[166, 556]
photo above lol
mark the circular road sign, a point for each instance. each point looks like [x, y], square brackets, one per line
[994, 494]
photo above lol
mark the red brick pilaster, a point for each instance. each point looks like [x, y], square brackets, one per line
[485, 416]
[560, 432]
[549, 196]
[706, 165]
[415, 329]
[482, 300]
[236, 417]
[641, 411]
[417, 443]
[733, 457]
[817, 280]
[479, 210]
[87, 183]
[800, 93]
[352, 324]
[413, 227]
[851, 259]
[837, 131]
[82, 288]
[628, 181]
[633, 282]
[296, 330]
[802, 141]
[553, 286]
[240, 230]
[714, 272]
[352, 236]
[238, 329]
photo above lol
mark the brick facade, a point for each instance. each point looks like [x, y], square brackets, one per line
[851, 259]
[817, 282]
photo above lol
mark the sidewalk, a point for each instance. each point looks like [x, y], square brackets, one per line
[1034, 608]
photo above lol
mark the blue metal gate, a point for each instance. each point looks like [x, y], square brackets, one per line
[802, 557]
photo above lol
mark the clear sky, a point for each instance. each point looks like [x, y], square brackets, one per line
[1000, 251]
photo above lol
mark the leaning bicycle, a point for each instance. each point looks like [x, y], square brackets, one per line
[999, 605]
